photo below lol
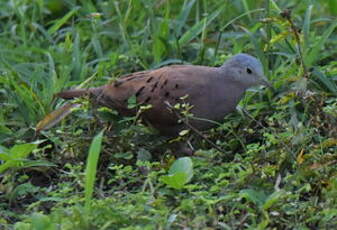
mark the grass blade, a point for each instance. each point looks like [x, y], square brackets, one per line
[246, 8]
[195, 30]
[313, 55]
[160, 37]
[90, 171]
[329, 84]
[181, 19]
[306, 27]
[57, 25]
[77, 64]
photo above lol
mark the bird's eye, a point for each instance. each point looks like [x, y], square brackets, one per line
[249, 71]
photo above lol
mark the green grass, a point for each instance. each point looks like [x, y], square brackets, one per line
[278, 167]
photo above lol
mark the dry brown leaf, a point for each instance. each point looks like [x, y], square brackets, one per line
[56, 116]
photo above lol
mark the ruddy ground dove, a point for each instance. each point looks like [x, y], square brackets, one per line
[212, 92]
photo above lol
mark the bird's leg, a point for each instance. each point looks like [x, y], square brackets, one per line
[193, 129]
[180, 148]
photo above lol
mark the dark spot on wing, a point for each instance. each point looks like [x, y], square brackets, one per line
[139, 91]
[167, 94]
[149, 80]
[154, 86]
[147, 100]
[176, 86]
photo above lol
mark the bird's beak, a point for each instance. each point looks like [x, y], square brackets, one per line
[265, 82]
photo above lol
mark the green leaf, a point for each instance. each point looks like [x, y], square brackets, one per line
[90, 172]
[177, 180]
[180, 173]
[42, 222]
[5, 157]
[16, 155]
[257, 197]
[22, 150]
[132, 102]
[273, 198]
[183, 164]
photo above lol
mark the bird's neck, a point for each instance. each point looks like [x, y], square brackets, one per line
[231, 87]
[232, 78]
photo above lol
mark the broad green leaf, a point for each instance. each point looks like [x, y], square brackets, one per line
[273, 198]
[42, 222]
[183, 164]
[5, 157]
[16, 155]
[177, 180]
[22, 150]
[257, 197]
[180, 173]
[7, 165]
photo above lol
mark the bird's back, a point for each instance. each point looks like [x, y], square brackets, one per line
[204, 88]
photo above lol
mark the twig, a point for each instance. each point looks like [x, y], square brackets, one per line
[264, 127]
[193, 128]
[287, 15]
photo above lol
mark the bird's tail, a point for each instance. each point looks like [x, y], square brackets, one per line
[75, 93]
[59, 114]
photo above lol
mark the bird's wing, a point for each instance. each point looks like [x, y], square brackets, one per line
[156, 88]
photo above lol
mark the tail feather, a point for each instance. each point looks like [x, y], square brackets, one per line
[73, 93]
[59, 114]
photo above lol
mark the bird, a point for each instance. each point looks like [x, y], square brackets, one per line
[210, 93]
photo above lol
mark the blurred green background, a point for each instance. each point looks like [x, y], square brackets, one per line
[279, 171]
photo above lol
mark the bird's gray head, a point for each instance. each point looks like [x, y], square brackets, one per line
[246, 69]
